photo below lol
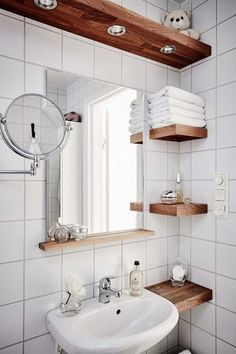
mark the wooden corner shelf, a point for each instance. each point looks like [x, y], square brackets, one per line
[180, 209]
[93, 239]
[184, 298]
[178, 132]
[91, 19]
[136, 206]
[136, 138]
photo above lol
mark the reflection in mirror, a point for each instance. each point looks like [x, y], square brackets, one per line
[99, 172]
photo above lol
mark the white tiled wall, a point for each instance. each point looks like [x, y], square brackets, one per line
[32, 280]
[211, 328]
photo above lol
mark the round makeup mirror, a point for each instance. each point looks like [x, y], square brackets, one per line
[34, 127]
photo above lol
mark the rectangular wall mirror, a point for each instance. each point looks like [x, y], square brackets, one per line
[99, 173]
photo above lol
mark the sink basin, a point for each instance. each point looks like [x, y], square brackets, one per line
[126, 325]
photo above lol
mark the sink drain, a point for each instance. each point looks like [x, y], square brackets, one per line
[118, 311]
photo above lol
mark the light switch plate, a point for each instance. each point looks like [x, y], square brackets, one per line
[221, 205]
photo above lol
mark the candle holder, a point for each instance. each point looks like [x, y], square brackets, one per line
[178, 273]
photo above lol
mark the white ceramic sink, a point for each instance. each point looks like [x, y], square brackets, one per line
[103, 329]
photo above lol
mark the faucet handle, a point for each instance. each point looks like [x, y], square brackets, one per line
[105, 282]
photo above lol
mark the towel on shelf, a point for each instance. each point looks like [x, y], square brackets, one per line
[175, 119]
[175, 92]
[136, 117]
[175, 110]
[135, 103]
[138, 128]
[170, 101]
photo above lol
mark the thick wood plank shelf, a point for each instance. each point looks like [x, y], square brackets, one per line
[136, 206]
[91, 19]
[136, 138]
[178, 132]
[94, 239]
[185, 297]
[180, 209]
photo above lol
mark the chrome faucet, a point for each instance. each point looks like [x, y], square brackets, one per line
[105, 290]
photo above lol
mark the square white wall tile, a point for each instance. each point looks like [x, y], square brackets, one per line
[156, 77]
[172, 226]
[11, 279]
[186, 80]
[184, 249]
[201, 20]
[135, 5]
[156, 253]
[12, 193]
[43, 344]
[156, 275]
[226, 71]
[35, 200]
[157, 223]
[12, 241]
[14, 349]
[43, 47]
[154, 13]
[38, 85]
[203, 254]
[202, 342]
[133, 72]
[224, 161]
[225, 34]
[184, 334]
[232, 196]
[107, 260]
[173, 78]
[226, 293]
[132, 252]
[11, 329]
[43, 25]
[156, 165]
[204, 278]
[224, 348]
[35, 314]
[12, 75]
[226, 325]
[202, 192]
[225, 9]
[226, 260]
[13, 30]
[185, 226]
[173, 248]
[226, 103]
[163, 4]
[209, 37]
[225, 132]
[203, 316]
[107, 65]
[79, 263]
[226, 229]
[173, 166]
[42, 276]
[203, 165]
[203, 226]
[204, 75]
[185, 166]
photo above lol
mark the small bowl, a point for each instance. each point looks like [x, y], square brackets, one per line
[78, 232]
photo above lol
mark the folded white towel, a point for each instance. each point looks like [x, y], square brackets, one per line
[136, 115]
[176, 110]
[136, 129]
[137, 109]
[170, 91]
[175, 119]
[135, 103]
[166, 101]
[134, 121]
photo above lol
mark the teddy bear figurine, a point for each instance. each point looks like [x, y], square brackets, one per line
[179, 21]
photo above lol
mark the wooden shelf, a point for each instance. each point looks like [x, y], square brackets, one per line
[93, 239]
[185, 297]
[180, 209]
[178, 132]
[136, 206]
[91, 19]
[136, 138]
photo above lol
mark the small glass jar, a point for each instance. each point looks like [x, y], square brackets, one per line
[62, 234]
[83, 232]
[51, 231]
[178, 273]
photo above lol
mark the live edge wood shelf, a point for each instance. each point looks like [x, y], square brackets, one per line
[185, 297]
[136, 138]
[94, 239]
[180, 209]
[178, 132]
[91, 19]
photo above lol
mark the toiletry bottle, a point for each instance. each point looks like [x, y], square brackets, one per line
[178, 189]
[136, 280]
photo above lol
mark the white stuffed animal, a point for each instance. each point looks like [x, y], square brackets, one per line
[179, 20]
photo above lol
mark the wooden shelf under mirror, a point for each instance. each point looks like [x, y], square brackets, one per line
[93, 239]
[136, 138]
[180, 209]
[136, 206]
[91, 19]
[178, 132]
[185, 297]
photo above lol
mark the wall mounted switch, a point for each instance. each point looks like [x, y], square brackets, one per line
[221, 195]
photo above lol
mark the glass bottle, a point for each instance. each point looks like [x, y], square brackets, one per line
[178, 189]
[136, 280]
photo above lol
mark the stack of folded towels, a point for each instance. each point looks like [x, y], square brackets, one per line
[172, 105]
[136, 117]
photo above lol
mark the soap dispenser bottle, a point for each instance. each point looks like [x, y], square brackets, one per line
[178, 189]
[136, 280]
